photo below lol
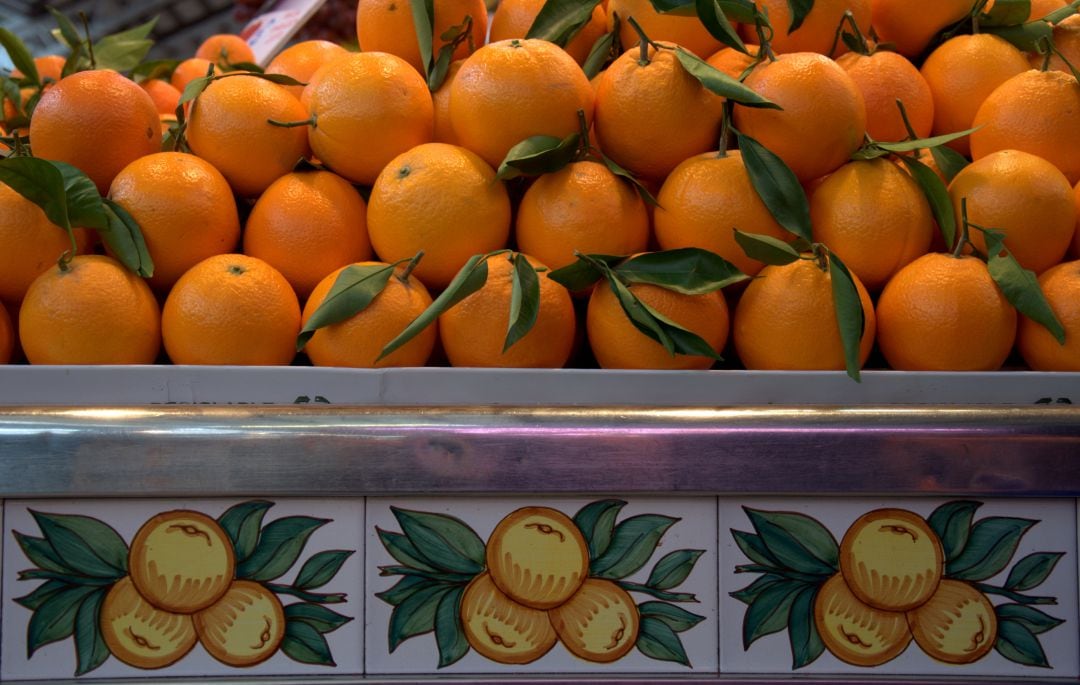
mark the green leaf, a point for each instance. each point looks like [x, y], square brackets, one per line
[354, 289]
[1006, 13]
[1062, 13]
[41, 594]
[423, 12]
[659, 594]
[193, 89]
[657, 640]
[124, 238]
[750, 593]
[596, 521]
[598, 55]
[682, 8]
[538, 155]
[673, 337]
[560, 20]
[1020, 286]
[777, 186]
[155, 68]
[918, 143]
[1032, 570]
[125, 50]
[739, 10]
[1037, 622]
[754, 548]
[1025, 37]
[720, 83]
[765, 248]
[992, 543]
[321, 568]
[806, 644]
[770, 611]
[1018, 644]
[524, 301]
[305, 644]
[673, 568]
[951, 522]
[676, 618]
[441, 67]
[280, 545]
[949, 161]
[90, 648]
[937, 195]
[622, 173]
[799, 10]
[40, 182]
[55, 619]
[40, 553]
[85, 544]
[446, 542]
[403, 550]
[449, 635]
[20, 56]
[69, 35]
[416, 615]
[68, 578]
[718, 25]
[850, 317]
[242, 522]
[797, 541]
[583, 273]
[632, 544]
[405, 588]
[316, 615]
[690, 270]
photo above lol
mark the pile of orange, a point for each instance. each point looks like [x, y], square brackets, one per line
[263, 193]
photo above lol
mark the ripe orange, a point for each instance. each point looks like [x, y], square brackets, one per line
[93, 312]
[1041, 351]
[1067, 40]
[961, 73]
[164, 95]
[786, 320]
[818, 30]
[7, 336]
[188, 70]
[583, 207]
[474, 330]
[911, 31]
[184, 207]
[440, 99]
[368, 107]
[303, 59]
[358, 341]
[508, 91]
[883, 78]
[686, 31]
[231, 309]
[426, 198]
[387, 26]
[944, 313]
[229, 127]
[307, 224]
[75, 119]
[513, 18]
[1024, 196]
[1035, 112]
[823, 119]
[874, 215]
[617, 344]
[225, 49]
[650, 117]
[49, 68]
[701, 203]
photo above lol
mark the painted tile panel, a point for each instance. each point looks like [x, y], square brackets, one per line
[126, 588]
[529, 585]
[890, 586]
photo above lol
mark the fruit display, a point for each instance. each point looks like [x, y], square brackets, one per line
[643, 184]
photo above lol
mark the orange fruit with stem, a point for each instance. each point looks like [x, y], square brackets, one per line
[138, 633]
[225, 49]
[366, 108]
[388, 26]
[7, 336]
[912, 31]
[243, 628]
[113, 107]
[1042, 352]
[514, 18]
[958, 625]
[231, 309]
[1066, 38]
[183, 206]
[424, 198]
[686, 31]
[93, 310]
[882, 78]
[817, 32]
[944, 313]
[854, 632]
[187, 71]
[301, 61]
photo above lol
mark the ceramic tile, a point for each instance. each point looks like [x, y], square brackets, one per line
[993, 544]
[412, 621]
[299, 603]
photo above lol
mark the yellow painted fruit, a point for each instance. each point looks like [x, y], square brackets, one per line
[958, 625]
[139, 634]
[181, 561]
[501, 629]
[538, 557]
[891, 559]
[599, 623]
[854, 632]
[243, 628]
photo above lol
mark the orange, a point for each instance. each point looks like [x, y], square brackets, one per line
[704, 200]
[1067, 40]
[441, 199]
[874, 215]
[786, 320]
[508, 91]
[910, 30]
[1035, 112]
[473, 331]
[883, 78]
[184, 207]
[945, 313]
[307, 224]
[514, 18]
[818, 30]
[49, 68]
[682, 30]
[387, 26]
[7, 336]
[1024, 196]
[358, 341]
[93, 312]
[1076, 235]
[823, 119]
[618, 344]
[652, 116]
[231, 309]
[75, 119]
[29, 244]
[368, 107]
[1039, 8]
[1041, 351]
[961, 73]
[440, 99]
[188, 70]
[583, 207]
[229, 127]
[301, 61]
[225, 49]
[733, 62]
[164, 95]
